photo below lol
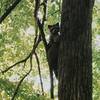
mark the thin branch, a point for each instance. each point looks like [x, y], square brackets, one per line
[20, 82]
[37, 5]
[8, 11]
[51, 71]
[24, 60]
[42, 33]
[36, 42]
[45, 11]
[40, 25]
[37, 59]
[21, 61]
[36, 33]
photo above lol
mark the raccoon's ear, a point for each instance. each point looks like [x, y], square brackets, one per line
[57, 24]
[49, 26]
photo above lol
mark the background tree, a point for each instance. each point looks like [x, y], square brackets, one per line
[75, 55]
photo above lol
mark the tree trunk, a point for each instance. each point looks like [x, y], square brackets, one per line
[75, 52]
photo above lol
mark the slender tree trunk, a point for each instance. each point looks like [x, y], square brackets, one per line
[75, 54]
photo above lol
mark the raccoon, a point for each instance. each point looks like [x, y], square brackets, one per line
[53, 47]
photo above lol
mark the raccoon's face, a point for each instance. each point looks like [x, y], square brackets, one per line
[54, 29]
[54, 32]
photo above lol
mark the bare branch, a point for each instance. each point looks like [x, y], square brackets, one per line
[37, 40]
[45, 11]
[40, 25]
[24, 60]
[20, 82]
[42, 33]
[37, 5]
[37, 59]
[8, 11]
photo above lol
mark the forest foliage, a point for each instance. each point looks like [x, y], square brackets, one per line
[17, 33]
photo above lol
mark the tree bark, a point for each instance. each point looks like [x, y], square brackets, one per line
[75, 52]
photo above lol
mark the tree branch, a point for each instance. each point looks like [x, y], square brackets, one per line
[8, 11]
[20, 82]
[24, 60]
[40, 25]
[45, 11]
[39, 70]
